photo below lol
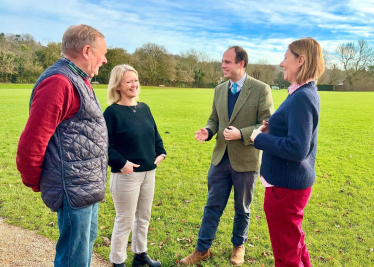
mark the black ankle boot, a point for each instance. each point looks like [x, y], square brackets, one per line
[119, 264]
[143, 259]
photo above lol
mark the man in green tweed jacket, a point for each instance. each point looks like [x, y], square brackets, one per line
[239, 106]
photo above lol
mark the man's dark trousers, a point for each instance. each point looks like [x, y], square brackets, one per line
[221, 179]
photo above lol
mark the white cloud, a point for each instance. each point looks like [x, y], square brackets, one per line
[365, 7]
[355, 30]
[264, 28]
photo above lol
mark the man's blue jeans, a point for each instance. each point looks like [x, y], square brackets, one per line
[221, 179]
[78, 231]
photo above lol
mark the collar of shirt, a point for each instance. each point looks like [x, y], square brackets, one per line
[240, 82]
[76, 69]
[293, 87]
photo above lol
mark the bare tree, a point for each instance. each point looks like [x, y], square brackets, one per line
[214, 72]
[193, 67]
[184, 76]
[154, 64]
[280, 81]
[255, 70]
[262, 71]
[354, 59]
[333, 74]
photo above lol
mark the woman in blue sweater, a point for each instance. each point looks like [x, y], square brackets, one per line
[289, 144]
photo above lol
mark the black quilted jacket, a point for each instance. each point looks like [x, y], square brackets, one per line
[75, 162]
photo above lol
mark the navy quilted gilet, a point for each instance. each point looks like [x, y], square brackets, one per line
[76, 158]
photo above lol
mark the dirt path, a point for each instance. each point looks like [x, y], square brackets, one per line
[24, 248]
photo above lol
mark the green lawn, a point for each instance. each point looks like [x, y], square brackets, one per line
[339, 220]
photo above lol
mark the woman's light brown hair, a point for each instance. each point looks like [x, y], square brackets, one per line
[314, 65]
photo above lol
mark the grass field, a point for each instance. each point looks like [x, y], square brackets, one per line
[339, 219]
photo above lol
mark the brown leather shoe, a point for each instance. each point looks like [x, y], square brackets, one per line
[237, 256]
[195, 257]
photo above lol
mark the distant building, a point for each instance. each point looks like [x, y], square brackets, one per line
[363, 82]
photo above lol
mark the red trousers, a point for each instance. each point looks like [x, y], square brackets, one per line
[284, 209]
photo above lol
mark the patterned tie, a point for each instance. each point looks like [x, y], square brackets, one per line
[234, 88]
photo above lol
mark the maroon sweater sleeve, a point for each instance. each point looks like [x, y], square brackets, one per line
[55, 100]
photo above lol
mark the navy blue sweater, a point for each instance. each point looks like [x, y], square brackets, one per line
[232, 101]
[290, 147]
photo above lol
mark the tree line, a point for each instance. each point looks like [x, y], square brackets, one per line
[22, 60]
[350, 63]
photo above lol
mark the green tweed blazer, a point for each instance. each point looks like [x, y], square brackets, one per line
[254, 105]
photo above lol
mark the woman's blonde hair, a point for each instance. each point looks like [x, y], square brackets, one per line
[115, 80]
[314, 65]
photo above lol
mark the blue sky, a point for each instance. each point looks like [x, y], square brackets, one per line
[263, 28]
